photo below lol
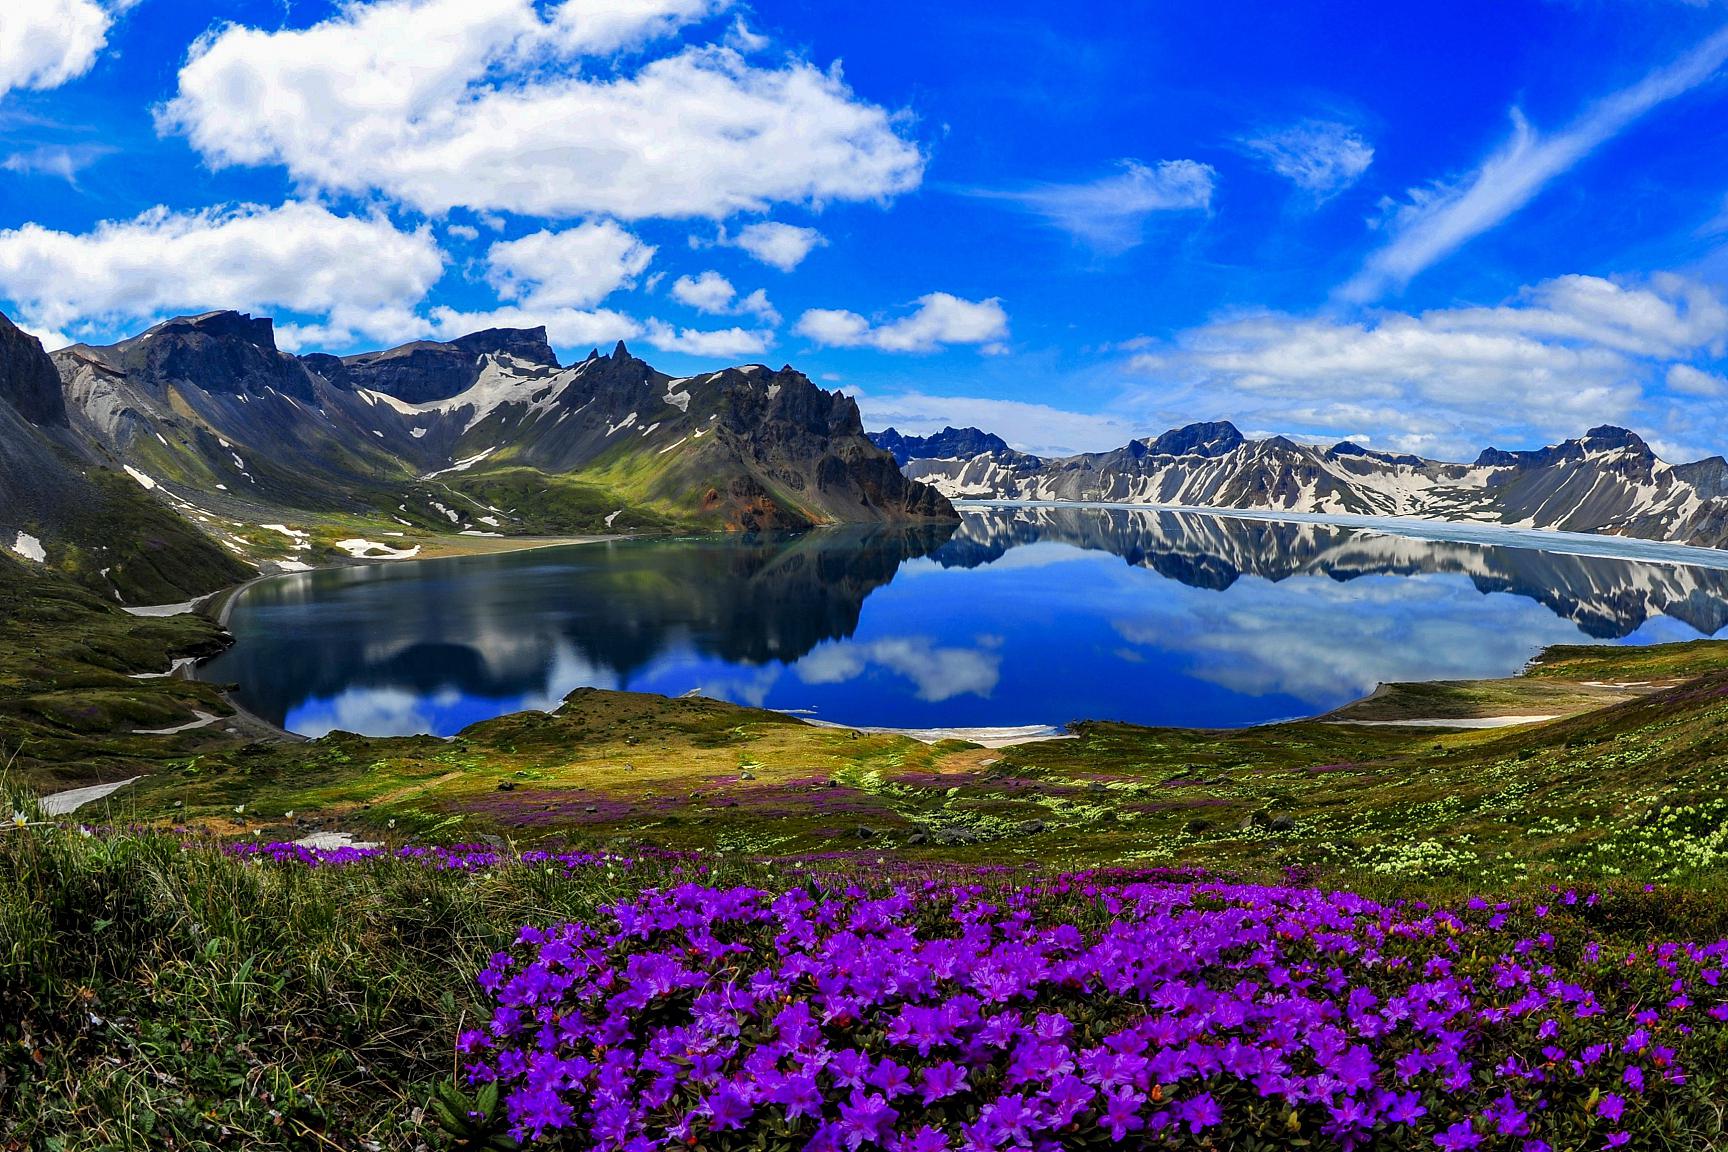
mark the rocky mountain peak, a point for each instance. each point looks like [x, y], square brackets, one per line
[220, 353]
[621, 352]
[949, 444]
[259, 331]
[1607, 437]
[1351, 448]
[1208, 438]
[425, 371]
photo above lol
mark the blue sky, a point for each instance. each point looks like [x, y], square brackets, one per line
[1425, 226]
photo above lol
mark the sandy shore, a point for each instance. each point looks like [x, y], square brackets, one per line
[1453, 722]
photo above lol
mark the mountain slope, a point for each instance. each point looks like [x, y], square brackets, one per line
[1607, 481]
[61, 509]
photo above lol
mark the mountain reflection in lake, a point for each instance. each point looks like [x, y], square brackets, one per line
[1019, 616]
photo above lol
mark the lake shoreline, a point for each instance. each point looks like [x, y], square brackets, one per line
[219, 605]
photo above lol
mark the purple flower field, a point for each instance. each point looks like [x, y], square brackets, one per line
[1091, 1011]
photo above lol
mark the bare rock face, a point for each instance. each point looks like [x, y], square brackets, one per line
[426, 370]
[220, 353]
[28, 379]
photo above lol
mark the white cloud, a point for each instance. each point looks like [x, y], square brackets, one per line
[727, 342]
[709, 292]
[1110, 214]
[463, 231]
[1036, 428]
[575, 268]
[782, 246]
[1441, 218]
[600, 26]
[1563, 356]
[483, 104]
[45, 43]
[1320, 156]
[941, 319]
[1690, 381]
[714, 294]
[300, 257]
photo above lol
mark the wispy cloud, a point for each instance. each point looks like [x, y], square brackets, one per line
[1321, 157]
[1110, 213]
[61, 160]
[1439, 219]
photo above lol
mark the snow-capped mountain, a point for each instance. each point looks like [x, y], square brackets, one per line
[1607, 481]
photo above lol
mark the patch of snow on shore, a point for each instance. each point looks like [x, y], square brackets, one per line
[370, 550]
[146, 481]
[30, 548]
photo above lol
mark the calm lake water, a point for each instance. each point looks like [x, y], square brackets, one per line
[1019, 616]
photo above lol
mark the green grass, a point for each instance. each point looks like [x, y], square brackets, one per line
[158, 994]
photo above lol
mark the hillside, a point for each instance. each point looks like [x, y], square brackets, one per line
[1607, 481]
[65, 507]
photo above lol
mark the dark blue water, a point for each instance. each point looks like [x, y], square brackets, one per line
[1022, 616]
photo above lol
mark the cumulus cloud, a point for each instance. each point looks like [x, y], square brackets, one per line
[726, 342]
[1322, 157]
[1566, 354]
[483, 104]
[940, 319]
[1110, 214]
[714, 294]
[300, 257]
[45, 43]
[782, 246]
[575, 268]
[1439, 219]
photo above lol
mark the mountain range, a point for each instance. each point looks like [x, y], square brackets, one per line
[173, 462]
[1609, 480]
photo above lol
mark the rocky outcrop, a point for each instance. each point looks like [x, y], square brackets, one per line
[28, 381]
[427, 370]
